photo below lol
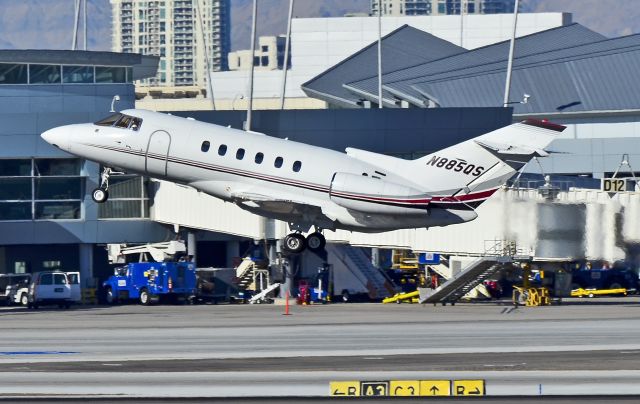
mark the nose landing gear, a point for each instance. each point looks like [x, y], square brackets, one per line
[101, 194]
[296, 242]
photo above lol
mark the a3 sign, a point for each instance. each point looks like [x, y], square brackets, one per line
[404, 388]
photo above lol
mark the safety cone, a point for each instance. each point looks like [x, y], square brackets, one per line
[286, 304]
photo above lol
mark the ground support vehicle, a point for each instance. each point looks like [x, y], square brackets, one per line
[150, 282]
[49, 287]
[14, 288]
[605, 278]
[580, 292]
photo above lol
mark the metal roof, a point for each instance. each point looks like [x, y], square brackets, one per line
[402, 48]
[400, 82]
[600, 76]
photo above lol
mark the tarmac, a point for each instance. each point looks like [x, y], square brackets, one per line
[582, 348]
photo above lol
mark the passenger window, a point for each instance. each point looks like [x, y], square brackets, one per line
[259, 158]
[297, 165]
[222, 150]
[46, 279]
[205, 146]
[278, 162]
[240, 154]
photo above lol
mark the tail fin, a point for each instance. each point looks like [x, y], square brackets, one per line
[474, 169]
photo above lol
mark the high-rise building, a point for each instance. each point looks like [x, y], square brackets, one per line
[269, 55]
[173, 30]
[441, 7]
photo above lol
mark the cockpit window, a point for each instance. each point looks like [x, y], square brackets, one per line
[108, 121]
[121, 121]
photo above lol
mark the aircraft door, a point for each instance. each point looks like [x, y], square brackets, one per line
[157, 153]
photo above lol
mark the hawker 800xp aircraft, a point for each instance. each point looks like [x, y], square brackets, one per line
[307, 186]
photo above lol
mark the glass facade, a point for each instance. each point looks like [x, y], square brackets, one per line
[11, 73]
[40, 189]
[128, 198]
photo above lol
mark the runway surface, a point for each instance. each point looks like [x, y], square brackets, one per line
[255, 351]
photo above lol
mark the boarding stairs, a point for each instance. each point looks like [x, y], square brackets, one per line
[463, 282]
[244, 273]
[376, 283]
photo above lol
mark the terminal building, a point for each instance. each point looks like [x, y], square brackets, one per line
[48, 219]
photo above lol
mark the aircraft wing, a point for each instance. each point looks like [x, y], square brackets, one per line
[288, 210]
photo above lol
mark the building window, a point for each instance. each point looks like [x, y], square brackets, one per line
[278, 162]
[128, 198]
[205, 146]
[297, 165]
[222, 150]
[111, 74]
[265, 48]
[48, 189]
[264, 60]
[44, 74]
[77, 74]
[13, 73]
[259, 158]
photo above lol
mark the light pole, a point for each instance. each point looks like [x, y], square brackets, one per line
[507, 86]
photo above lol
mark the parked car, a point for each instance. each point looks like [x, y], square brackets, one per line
[49, 287]
[14, 288]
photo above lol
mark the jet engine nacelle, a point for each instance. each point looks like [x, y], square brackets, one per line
[376, 196]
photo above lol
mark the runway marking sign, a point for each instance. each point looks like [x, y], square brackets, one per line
[435, 387]
[346, 389]
[408, 388]
[403, 388]
[374, 388]
[468, 388]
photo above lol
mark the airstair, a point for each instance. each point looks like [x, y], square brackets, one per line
[244, 273]
[250, 277]
[356, 261]
[464, 281]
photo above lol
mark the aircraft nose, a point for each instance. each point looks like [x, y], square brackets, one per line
[56, 137]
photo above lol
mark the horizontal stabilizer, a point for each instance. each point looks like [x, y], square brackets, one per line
[511, 150]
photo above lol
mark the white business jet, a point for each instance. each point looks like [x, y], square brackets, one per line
[303, 185]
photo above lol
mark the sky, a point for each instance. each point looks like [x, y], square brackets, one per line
[48, 24]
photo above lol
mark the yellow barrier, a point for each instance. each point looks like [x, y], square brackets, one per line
[89, 296]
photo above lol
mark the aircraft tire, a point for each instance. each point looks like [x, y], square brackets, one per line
[294, 243]
[316, 241]
[24, 299]
[100, 195]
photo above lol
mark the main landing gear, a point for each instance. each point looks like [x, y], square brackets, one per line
[296, 242]
[101, 194]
